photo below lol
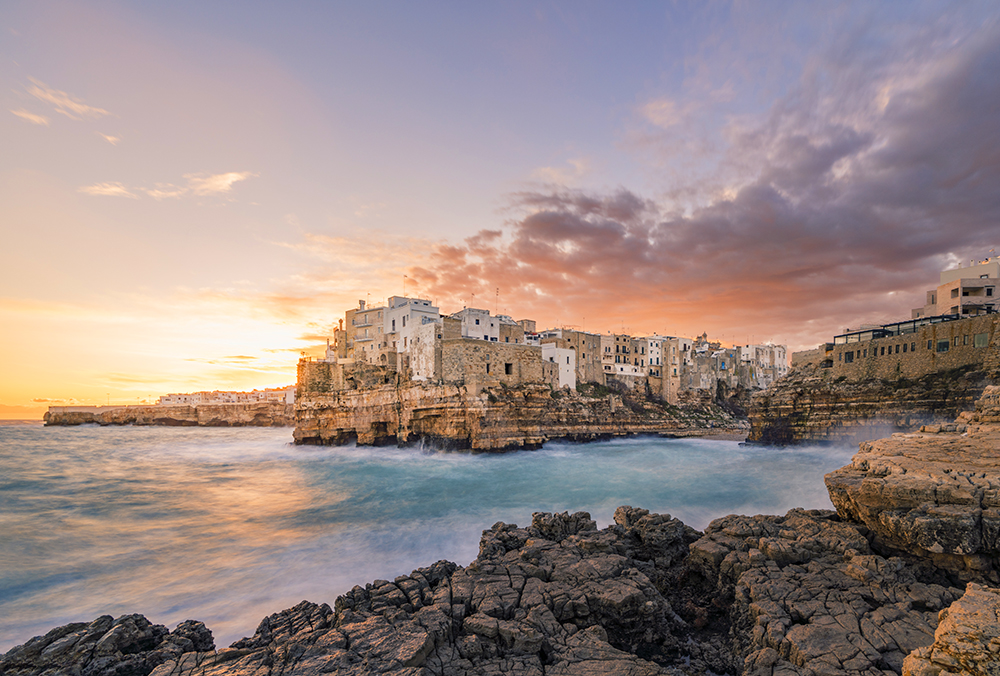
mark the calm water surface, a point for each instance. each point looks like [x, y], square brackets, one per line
[229, 525]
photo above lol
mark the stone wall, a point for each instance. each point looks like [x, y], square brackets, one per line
[912, 355]
[467, 360]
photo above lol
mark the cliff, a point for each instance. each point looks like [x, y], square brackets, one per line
[811, 404]
[493, 419]
[260, 414]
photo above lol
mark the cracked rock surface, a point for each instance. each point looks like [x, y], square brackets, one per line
[935, 494]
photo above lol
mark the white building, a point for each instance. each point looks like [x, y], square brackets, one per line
[566, 359]
[401, 319]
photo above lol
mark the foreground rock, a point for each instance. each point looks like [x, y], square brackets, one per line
[798, 594]
[967, 640]
[106, 647]
[935, 493]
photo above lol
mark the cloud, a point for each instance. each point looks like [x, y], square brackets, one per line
[845, 213]
[113, 140]
[68, 105]
[662, 113]
[576, 169]
[201, 184]
[110, 189]
[198, 184]
[31, 117]
[164, 190]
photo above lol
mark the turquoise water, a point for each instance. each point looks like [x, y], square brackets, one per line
[229, 525]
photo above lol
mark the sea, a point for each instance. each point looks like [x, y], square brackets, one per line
[229, 525]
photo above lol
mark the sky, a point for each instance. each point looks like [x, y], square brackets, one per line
[191, 194]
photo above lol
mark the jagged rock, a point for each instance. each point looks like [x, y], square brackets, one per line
[935, 494]
[808, 596]
[967, 640]
[798, 594]
[127, 646]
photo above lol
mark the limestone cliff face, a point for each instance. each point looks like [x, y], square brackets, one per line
[499, 418]
[261, 414]
[809, 405]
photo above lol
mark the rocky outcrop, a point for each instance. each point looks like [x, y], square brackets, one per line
[798, 594]
[493, 419]
[106, 647]
[259, 414]
[808, 405]
[933, 493]
[967, 640]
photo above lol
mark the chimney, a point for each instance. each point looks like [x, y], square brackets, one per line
[361, 305]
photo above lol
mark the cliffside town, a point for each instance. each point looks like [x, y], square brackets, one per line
[402, 372]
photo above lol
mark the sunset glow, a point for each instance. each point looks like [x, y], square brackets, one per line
[191, 194]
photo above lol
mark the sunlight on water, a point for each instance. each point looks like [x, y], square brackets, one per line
[229, 525]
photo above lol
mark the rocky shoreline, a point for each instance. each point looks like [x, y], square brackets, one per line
[899, 580]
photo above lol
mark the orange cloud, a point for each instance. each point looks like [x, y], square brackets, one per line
[216, 183]
[68, 105]
[109, 189]
[31, 117]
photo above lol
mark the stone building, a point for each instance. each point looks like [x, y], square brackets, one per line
[913, 348]
[587, 347]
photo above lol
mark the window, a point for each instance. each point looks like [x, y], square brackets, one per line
[943, 345]
[866, 352]
[393, 325]
[955, 341]
[989, 290]
[404, 321]
[904, 348]
[477, 322]
[930, 344]
[883, 350]
[980, 340]
[508, 369]
[849, 357]
[487, 367]
[567, 360]
[965, 339]
[897, 349]
[913, 347]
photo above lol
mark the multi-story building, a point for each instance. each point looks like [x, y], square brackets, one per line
[363, 338]
[762, 364]
[402, 317]
[964, 291]
[587, 346]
